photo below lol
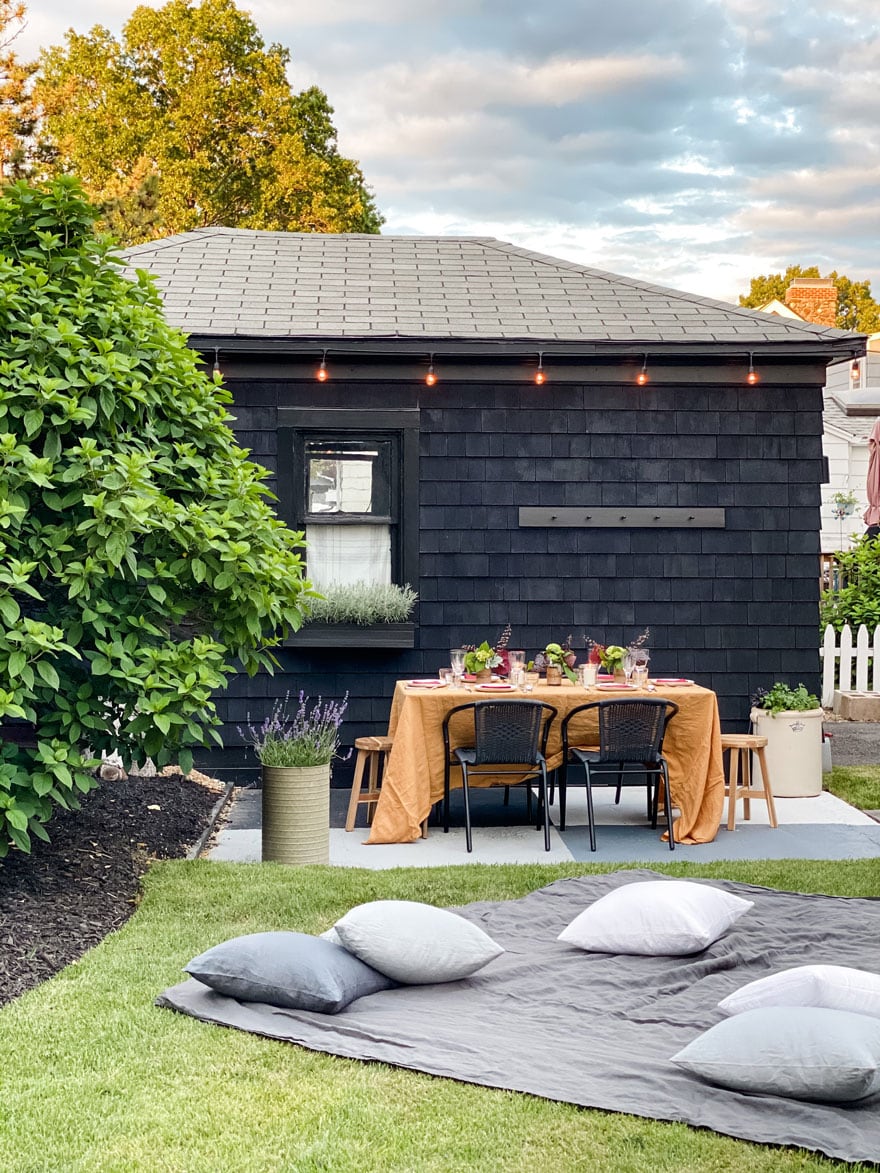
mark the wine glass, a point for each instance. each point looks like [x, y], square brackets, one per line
[456, 659]
[629, 664]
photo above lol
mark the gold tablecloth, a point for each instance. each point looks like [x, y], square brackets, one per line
[413, 779]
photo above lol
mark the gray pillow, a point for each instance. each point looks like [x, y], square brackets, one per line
[416, 944]
[806, 1052]
[292, 970]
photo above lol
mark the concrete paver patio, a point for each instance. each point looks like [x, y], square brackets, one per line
[809, 828]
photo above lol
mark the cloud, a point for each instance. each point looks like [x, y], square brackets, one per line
[696, 144]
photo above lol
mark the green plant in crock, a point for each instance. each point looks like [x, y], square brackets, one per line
[782, 698]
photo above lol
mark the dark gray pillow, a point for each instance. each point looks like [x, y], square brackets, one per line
[293, 970]
[806, 1052]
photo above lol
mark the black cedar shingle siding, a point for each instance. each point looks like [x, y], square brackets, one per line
[735, 607]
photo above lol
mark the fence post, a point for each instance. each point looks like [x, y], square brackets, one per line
[829, 665]
[862, 659]
[846, 659]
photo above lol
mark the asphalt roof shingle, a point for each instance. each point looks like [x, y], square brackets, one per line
[244, 283]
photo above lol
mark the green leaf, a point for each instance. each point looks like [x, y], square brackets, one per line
[162, 721]
[9, 610]
[33, 421]
[185, 760]
[47, 673]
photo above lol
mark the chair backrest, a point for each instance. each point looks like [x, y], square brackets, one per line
[509, 732]
[631, 730]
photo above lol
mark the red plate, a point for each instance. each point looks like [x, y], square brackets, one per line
[426, 683]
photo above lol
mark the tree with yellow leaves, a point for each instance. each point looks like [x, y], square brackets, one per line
[16, 112]
[189, 121]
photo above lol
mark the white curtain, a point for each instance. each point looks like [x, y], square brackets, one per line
[343, 554]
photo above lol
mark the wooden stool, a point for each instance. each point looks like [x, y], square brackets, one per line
[374, 750]
[742, 746]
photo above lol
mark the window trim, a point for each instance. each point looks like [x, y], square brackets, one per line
[297, 423]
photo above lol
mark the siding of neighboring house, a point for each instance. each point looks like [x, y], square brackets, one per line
[733, 607]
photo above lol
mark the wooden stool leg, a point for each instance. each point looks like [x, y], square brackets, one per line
[732, 786]
[374, 783]
[747, 783]
[359, 765]
[768, 793]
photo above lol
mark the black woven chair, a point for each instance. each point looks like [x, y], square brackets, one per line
[631, 735]
[510, 737]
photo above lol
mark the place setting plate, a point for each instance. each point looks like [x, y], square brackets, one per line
[494, 688]
[426, 684]
[672, 682]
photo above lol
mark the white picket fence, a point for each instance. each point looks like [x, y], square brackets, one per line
[841, 658]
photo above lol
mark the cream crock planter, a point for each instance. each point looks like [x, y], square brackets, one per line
[296, 814]
[794, 751]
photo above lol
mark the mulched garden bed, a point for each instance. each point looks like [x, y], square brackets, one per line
[67, 895]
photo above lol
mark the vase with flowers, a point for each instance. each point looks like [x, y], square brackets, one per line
[612, 656]
[558, 658]
[480, 660]
[295, 751]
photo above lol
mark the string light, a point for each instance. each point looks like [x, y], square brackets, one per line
[540, 377]
[322, 374]
[855, 371]
[216, 368]
[431, 378]
[642, 376]
[753, 376]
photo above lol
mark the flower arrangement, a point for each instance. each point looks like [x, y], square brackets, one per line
[612, 656]
[843, 504]
[308, 737]
[560, 656]
[478, 659]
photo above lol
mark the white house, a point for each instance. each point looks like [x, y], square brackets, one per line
[852, 403]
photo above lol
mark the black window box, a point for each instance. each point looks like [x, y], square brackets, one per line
[353, 635]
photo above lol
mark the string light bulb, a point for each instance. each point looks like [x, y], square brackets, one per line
[753, 376]
[431, 377]
[322, 374]
[855, 371]
[642, 376]
[540, 377]
[215, 370]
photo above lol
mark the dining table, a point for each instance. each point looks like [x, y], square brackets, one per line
[413, 779]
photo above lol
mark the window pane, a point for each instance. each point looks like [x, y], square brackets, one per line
[343, 554]
[348, 477]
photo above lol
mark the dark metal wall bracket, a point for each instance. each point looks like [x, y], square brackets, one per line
[622, 517]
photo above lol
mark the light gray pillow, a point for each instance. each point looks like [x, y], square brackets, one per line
[293, 970]
[656, 918]
[416, 944]
[806, 1052]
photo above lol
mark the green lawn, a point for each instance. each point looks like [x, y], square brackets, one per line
[857, 785]
[94, 1078]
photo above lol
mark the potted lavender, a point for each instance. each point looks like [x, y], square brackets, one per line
[296, 751]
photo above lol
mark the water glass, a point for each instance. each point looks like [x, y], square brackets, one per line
[445, 675]
[517, 676]
[516, 659]
[640, 675]
[532, 679]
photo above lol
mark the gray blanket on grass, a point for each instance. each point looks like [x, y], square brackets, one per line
[595, 1029]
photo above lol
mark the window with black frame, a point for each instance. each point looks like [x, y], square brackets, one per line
[350, 508]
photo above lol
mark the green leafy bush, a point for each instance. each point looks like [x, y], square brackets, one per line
[138, 556]
[859, 599]
[782, 698]
[364, 603]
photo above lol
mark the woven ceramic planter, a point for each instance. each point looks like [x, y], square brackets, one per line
[296, 814]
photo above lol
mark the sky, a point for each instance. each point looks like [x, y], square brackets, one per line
[693, 143]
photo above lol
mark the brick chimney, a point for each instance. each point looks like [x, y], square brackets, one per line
[814, 298]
